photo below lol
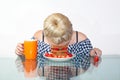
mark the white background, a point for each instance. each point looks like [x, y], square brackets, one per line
[98, 19]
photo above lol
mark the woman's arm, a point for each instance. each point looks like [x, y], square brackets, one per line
[94, 51]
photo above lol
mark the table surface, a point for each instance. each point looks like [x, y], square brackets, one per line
[13, 69]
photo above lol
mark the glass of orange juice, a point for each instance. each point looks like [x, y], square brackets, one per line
[30, 49]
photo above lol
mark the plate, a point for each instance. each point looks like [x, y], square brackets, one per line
[59, 59]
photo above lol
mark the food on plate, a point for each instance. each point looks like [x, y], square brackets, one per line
[60, 55]
[59, 52]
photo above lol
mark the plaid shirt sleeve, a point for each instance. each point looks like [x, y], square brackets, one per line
[82, 51]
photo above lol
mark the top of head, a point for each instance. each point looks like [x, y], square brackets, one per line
[58, 28]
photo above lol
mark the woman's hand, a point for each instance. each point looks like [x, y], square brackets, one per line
[19, 49]
[96, 51]
[96, 56]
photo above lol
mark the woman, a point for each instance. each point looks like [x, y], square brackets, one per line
[57, 32]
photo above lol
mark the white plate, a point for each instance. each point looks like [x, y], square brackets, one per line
[59, 59]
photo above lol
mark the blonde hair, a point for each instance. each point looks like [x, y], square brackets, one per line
[58, 28]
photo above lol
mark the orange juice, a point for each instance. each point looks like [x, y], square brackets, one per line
[30, 49]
